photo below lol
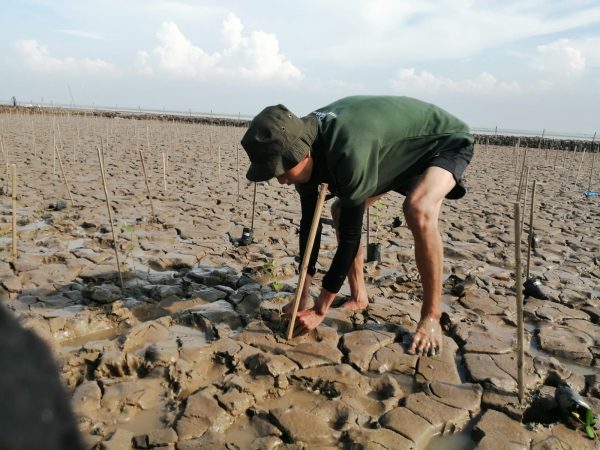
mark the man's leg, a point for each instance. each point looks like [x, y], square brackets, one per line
[359, 297]
[421, 209]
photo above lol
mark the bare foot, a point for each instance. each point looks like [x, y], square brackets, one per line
[289, 307]
[357, 304]
[306, 321]
[427, 340]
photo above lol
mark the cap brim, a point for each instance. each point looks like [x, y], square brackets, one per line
[258, 173]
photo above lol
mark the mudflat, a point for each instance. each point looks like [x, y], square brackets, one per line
[190, 351]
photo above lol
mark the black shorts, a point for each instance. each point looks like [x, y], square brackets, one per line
[454, 161]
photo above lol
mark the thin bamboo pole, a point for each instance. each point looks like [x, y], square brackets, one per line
[592, 172]
[555, 158]
[14, 212]
[164, 157]
[306, 258]
[219, 163]
[530, 239]
[112, 227]
[524, 198]
[521, 178]
[580, 164]
[253, 207]
[147, 185]
[237, 163]
[368, 226]
[5, 151]
[519, 289]
[62, 170]
[54, 154]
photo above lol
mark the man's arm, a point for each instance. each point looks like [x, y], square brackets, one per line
[350, 230]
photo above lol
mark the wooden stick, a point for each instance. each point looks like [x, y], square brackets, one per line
[5, 159]
[14, 212]
[54, 154]
[580, 164]
[573, 158]
[530, 240]
[101, 159]
[237, 159]
[148, 137]
[524, 164]
[524, 198]
[368, 226]
[253, 206]
[219, 163]
[33, 140]
[556, 158]
[147, 185]
[164, 171]
[62, 170]
[520, 190]
[306, 259]
[592, 172]
[519, 289]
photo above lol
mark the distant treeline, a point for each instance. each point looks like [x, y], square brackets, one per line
[498, 140]
[536, 142]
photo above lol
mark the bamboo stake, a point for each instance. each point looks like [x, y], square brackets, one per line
[54, 153]
[237, 159]
[368, 226]
[14, 212]
[520, 190]
[101, 159]
[306, 259]
[33, 140]
[164, 157]
[556, 159]
[592, 172]
[253, 207]
[219, 163]
[573, 158]
[5, 159]
[530, 240]
[62, 170]
[147, 185]
[524, 198]
[580, 164]
[519, 289]
[524, 161]
[148, 137]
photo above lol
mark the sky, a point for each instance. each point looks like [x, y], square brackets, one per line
[525, 64]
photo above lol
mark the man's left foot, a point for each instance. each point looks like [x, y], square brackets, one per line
[357, 304]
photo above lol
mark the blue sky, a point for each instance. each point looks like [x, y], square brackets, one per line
[528, 64]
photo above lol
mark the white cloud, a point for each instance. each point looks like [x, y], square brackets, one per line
[559, 59]
[82, 34]
[411, 81]
[254, 57]
[37, 58]
[442, 29]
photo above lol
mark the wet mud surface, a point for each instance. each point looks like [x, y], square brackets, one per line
[191, 352]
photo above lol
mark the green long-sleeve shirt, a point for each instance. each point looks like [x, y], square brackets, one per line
[366, 146]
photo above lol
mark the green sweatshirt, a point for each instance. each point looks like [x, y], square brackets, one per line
[373, 144]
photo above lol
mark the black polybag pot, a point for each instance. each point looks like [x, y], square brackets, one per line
[533, 288]
[571, 404]
[374, 252]
[246, 238]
